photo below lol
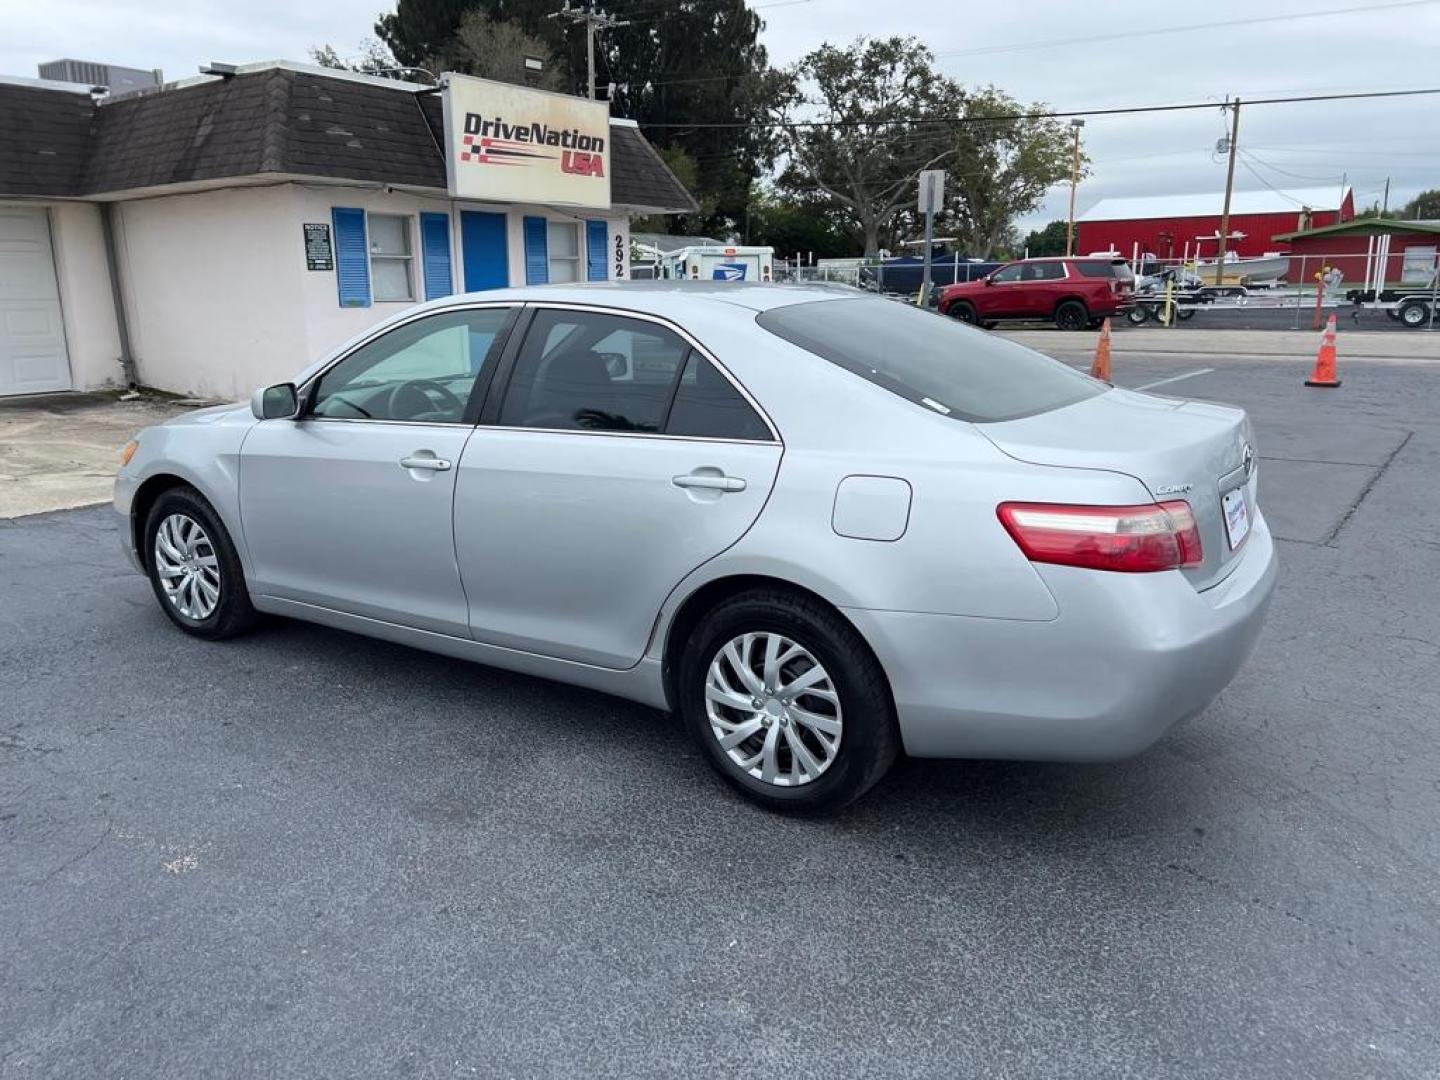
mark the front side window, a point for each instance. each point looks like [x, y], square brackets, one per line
[934, 362]
[423, 371]
[583, 370]
[1007, 274]
[392, 258]
[563, 244]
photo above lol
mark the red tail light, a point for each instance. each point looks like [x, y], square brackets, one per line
[1130, 539]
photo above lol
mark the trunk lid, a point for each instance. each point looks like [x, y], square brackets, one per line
[1176, 449]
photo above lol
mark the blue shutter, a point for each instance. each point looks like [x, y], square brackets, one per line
[597, 251]
[537, 253]
[435, 255]
[352, 256]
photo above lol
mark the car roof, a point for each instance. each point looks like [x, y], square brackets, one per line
[663, 297]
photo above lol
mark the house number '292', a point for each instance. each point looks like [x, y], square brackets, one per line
[619, 255]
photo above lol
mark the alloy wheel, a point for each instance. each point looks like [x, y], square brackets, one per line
[774, 709]
[187, 567]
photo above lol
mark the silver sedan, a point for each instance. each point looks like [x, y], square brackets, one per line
[822, 527]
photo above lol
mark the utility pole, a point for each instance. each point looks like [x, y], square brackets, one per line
[593, 20]
[1076, 124]
[1385, 204]
[1229, 190]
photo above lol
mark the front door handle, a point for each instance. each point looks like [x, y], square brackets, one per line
[709, 481]
[425, 461]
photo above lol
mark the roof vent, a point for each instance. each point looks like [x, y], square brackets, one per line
[217, 68]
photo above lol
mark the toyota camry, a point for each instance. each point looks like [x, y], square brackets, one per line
[821, 527]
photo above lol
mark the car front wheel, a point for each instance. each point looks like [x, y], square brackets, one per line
[787, 701]
[194, 568]
[962, 310]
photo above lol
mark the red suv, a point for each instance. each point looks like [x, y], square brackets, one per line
[1076, 292]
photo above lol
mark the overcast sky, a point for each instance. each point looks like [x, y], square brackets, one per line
[1377, 46]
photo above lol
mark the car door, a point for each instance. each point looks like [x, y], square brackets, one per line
[1006, 295]
[348, 506]
[618, 459]
[1046, 286]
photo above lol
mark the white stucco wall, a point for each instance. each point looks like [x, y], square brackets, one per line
[211, 290]
[92, 339]
[219, 296]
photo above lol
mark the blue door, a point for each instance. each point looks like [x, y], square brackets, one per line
[483, 251]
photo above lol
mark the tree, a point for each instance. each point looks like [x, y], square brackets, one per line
[1424, 207]
[1047, 241]
[496, 49]
[1005, 166]
[879, 101]
[372, 59]
[797, 225]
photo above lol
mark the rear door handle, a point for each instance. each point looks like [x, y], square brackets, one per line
[709, 482]
[428, 461]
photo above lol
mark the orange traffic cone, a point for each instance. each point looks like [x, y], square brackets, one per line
[1100, 369]
[1324, 373]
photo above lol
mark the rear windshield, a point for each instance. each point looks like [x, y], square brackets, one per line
[929, 359]
[1117, 268]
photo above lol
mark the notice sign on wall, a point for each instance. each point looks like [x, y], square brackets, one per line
[319, 255]
[510, 144]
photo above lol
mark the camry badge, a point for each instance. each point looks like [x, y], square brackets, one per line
[1173, 489]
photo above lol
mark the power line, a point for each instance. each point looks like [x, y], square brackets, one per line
[1128, 110]
[987, 50]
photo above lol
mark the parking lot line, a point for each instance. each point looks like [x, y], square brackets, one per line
[1175, 378]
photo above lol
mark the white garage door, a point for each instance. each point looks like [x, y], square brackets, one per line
[32, 337]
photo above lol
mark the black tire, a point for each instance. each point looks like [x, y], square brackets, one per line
[869, 739]
[1184, 313]
[1072, 315]
[964, 311]
[1138, 315]
[1392, 313]
[233, 613]
[1414, 314]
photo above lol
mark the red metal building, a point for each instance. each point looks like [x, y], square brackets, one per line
[1348, 247]
[1167, 225]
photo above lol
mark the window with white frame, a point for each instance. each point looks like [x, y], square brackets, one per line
[563, 245]
[392, 256]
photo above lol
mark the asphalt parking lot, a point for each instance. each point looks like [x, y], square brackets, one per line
[306, 854]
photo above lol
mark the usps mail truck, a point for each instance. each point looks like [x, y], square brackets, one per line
[719, 264]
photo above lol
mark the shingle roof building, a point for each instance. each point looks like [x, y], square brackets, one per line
[278, 121]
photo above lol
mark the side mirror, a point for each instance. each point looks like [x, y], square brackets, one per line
[989, 280]
[274, 402]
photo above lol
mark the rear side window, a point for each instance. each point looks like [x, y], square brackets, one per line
[584, 370]
[707, 405]
[936, 362]
[1104, 268]
[1043, 271]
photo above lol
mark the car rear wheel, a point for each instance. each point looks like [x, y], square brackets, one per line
[1138, 315]
[963, 310]
[787, 702]
[1072, 315]
[194, 568]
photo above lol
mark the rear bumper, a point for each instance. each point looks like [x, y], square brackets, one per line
[1128, 656]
